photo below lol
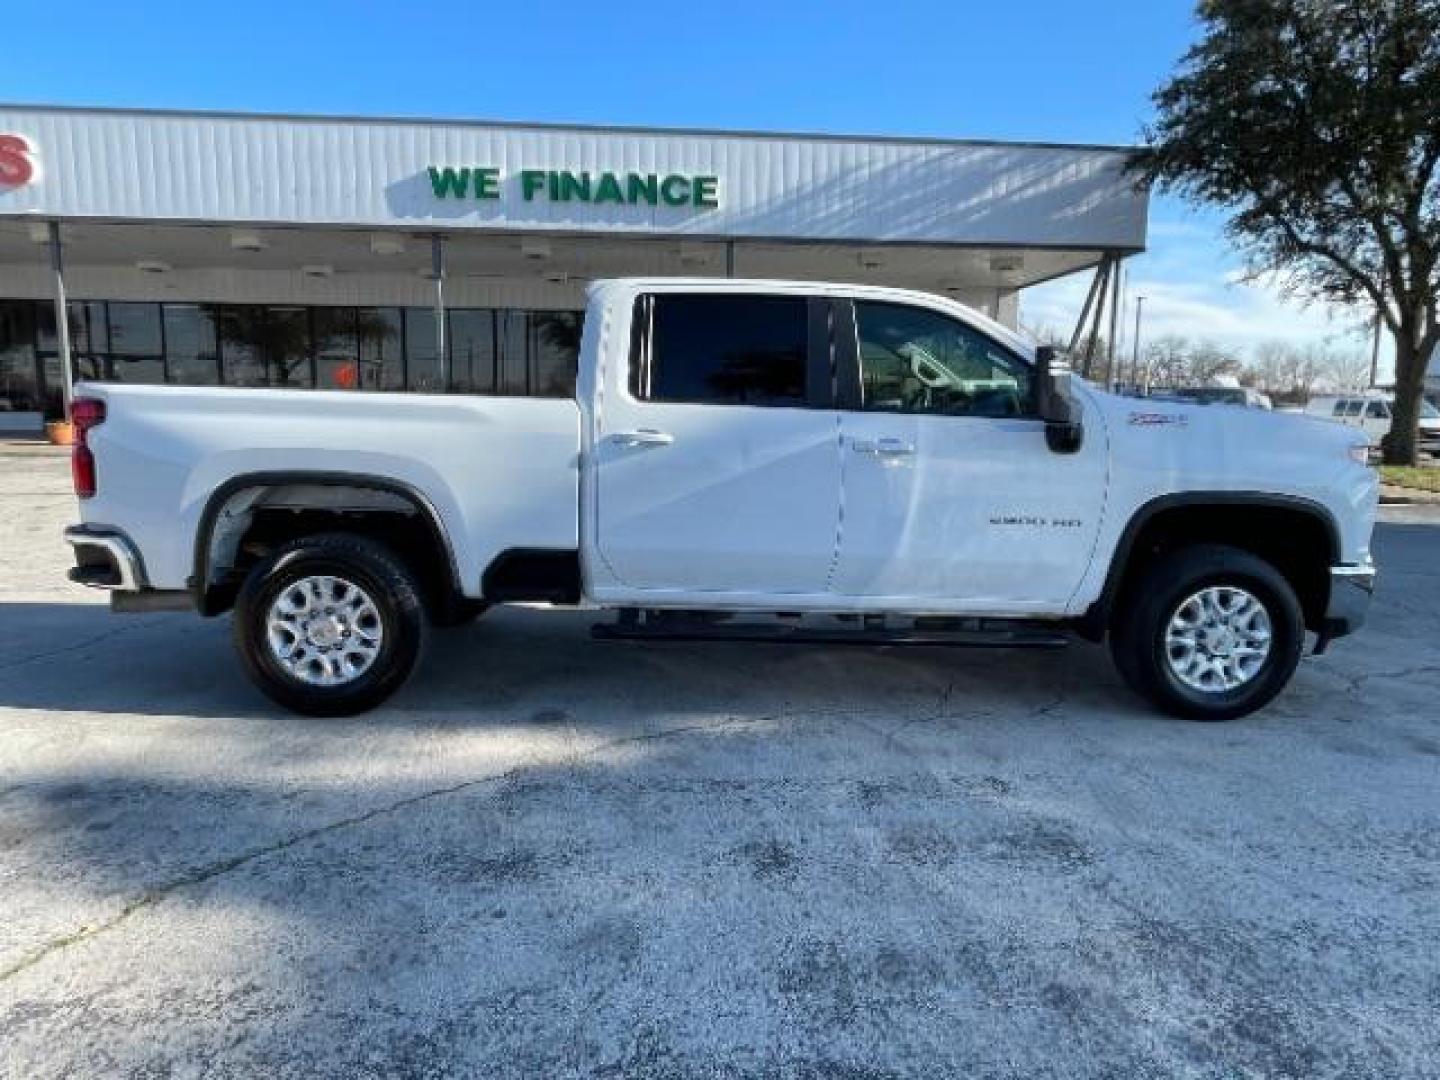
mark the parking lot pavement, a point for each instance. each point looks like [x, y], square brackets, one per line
[552, 857]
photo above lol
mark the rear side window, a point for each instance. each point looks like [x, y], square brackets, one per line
[1352, 408]
[1376, 410]
[1339, 408]
[721, 350]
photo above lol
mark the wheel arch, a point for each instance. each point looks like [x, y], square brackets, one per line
[1251, 521]
[230, 509]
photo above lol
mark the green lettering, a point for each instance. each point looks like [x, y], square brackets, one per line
[706, 194]
[487, 183]
[609, 189]
[645, 187]
[675, 190]
[554, 186]
[531, 180]
[576, 186]
[448, 181]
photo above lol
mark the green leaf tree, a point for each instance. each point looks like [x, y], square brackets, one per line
[1316, 125]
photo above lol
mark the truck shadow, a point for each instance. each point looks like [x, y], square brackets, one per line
[516, 664]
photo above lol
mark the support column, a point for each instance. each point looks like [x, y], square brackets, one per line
[1114, 325]
[62, 318]
[437, 268]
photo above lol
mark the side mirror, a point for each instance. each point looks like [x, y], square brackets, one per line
[1058, 406]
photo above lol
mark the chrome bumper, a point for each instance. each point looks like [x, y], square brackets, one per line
[105, 559]
[1351, 588]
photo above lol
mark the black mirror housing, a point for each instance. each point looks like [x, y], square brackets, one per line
[1056, 401]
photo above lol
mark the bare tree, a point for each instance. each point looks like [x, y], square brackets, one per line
[1346, 369]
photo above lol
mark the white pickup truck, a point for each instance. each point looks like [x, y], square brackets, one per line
[743, 460]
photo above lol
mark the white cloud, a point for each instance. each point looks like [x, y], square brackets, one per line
[1196, 286]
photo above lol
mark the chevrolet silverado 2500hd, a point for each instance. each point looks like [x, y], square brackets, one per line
[742, 460]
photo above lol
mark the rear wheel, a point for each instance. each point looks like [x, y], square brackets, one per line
[329, 625]
[1208, 632]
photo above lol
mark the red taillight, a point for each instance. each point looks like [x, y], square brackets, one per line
[85, 413]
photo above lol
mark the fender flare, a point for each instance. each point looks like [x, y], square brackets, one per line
[200, 580]
[1092, 623]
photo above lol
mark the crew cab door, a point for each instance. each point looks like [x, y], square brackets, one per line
[716, 454]
[952, 499]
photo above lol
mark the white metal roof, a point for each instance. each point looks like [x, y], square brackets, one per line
[287, 170]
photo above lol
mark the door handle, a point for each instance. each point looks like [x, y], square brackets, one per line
[883, 448]
[643, 437]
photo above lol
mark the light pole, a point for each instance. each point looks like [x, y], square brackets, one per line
[1135, 363]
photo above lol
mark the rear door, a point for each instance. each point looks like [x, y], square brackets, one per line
[952, 499]
[717, 460]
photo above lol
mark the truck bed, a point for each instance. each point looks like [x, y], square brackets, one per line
[500, 472]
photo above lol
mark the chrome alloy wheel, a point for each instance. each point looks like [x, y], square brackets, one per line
[325, 631]
[1218, 639]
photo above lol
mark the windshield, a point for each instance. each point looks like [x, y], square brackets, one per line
[1428, 411]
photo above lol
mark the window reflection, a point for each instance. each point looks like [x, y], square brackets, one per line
[472, 351]
[422, 357]
[191, 355]
[491, 350]
[337, 349]
[382, 363]
[555, 352]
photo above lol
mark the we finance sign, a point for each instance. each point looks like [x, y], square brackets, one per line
[566, 186]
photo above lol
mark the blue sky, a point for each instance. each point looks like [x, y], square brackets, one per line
[1051, 70]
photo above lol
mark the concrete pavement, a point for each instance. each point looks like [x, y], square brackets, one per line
[554, 857]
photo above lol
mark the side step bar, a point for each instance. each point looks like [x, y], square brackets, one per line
[983, 634]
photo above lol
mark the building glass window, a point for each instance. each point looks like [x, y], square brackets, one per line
[727, 350]
[422, 358]
[554, 352]
[287, 347]
[19, 373]
[266, 346]
[513, 334]
[191, 356]
[136, 350]
[90, 340]
[337, 349]
[241, 345]
[382, 364]
[491, 351]
[472, 351]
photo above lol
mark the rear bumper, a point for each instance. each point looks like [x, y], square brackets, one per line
[1351, 589]
[105, 559]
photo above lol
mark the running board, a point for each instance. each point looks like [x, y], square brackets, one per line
[667, 629]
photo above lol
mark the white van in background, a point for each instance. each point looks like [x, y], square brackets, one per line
[1370, 412]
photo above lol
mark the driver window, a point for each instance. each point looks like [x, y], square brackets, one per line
[917, 361]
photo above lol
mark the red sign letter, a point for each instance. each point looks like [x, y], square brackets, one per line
[16, 168]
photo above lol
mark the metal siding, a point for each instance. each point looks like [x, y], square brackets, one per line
[372, 173]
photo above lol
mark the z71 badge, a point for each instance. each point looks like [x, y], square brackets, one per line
[1158, 419]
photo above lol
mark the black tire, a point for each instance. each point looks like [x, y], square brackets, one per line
[356, 559]
[1144, 611]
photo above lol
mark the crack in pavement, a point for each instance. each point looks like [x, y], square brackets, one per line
[138, 624]
[1355, 682]
[210, 871]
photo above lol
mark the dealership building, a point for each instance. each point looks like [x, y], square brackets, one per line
[447, 256]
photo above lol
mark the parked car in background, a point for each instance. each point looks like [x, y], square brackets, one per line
[1370, 413]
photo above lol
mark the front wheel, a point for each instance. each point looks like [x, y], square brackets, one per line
[1209, 632]
[329, 625]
